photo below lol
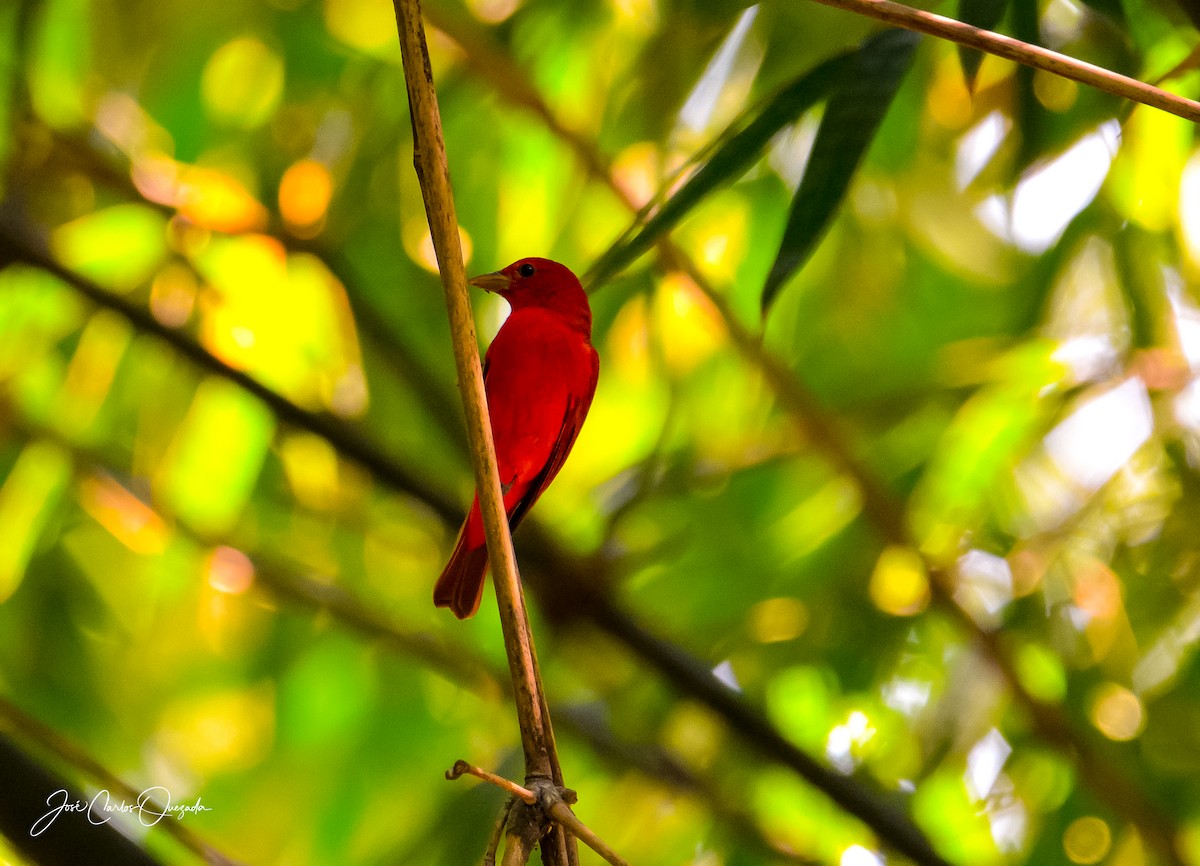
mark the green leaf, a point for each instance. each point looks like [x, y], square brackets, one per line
[9, 52]
[119, 247]
[1191, 8]
[856, 107]
[28, 498]
[210, 471]
[58, 62]
[978, 13]
[730, 160]
[1114, 10]
[1029, 116]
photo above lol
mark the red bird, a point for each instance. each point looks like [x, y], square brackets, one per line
[539, 375]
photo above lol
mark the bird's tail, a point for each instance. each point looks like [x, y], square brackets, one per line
[460, 586]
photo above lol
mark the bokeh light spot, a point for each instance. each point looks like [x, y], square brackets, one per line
[493, 11]
[58, 59]
[949, 101]
[1097, 590]
[857, 855]
[1117, 712]
[218, 732]
[1053, 91]
[173, 295]
[229, 570]
[689, 326]
[636, 171]
[242, 83]
[362, 24]
[723, 84]
[978, 146]
[283, 317]
[778, 619]
[217, 200]
[131, 521]
[637, 15]
[426, 256]
[695, 734]
[984, 763]
[28, 499]
[206, 197]
[311, 465]
[91, 372]
[211, 467]
[1189, 208]
[1099, 437]
[985, 585]
[1041, 672]
[847, 743]
[1050, 195]
[1087, 840]
[899, 585]
[629, 342]
[304, 194]
[118, 247]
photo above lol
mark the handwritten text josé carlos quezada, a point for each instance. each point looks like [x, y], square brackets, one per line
[152, 805]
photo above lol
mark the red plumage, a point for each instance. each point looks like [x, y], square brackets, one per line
[540, 375]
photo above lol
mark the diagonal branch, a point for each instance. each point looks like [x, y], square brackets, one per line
[1024, 53]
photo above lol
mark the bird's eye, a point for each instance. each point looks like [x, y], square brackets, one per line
[526, 270]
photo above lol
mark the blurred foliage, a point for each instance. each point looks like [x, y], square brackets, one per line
[980, 300]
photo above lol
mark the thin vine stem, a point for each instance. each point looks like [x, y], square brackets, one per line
[989, 42]
[433, 174]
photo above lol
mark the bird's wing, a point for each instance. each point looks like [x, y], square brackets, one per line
[572, 422]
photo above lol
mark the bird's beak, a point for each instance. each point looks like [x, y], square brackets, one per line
[496, 281]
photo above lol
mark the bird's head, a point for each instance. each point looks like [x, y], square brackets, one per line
[540, 283]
